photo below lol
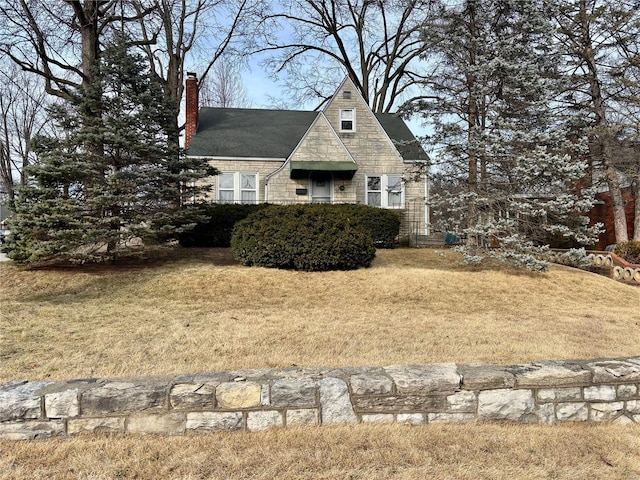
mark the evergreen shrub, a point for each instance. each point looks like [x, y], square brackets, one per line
[384, 225]
[302, 237]
[217, 227]
[630, 251]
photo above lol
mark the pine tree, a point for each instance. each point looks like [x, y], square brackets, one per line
[113, 181]
[511, 165]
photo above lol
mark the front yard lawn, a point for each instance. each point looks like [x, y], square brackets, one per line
[197, 311]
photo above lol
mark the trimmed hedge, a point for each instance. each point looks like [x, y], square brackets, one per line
[216, 231]
[630, 251]
[384, 225]
[303, 237]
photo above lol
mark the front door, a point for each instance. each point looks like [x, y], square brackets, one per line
[321, 187]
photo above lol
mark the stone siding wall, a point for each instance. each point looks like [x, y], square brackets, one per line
[369, 145]
[545, 392]
[282, 188]
[319, 144]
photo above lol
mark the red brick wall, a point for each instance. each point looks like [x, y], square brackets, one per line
[603, 213]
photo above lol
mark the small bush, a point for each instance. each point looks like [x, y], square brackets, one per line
[217, 228]
[302, 237]
[575, 257]
[630, 251]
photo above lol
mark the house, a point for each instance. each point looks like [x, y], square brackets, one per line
[342, 154]
[602, 212]
[627, 161]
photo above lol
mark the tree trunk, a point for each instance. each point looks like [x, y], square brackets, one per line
[636, 211]
[601, 128]
[88, 16]
[472, 214]
[472, 113]
[613, 182]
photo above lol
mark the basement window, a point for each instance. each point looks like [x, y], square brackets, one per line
[347, 120]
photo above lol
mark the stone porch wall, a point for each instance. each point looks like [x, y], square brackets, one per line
[545, 392]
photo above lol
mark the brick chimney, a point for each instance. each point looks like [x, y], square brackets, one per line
[191, 94]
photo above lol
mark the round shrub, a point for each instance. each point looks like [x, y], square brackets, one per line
[302, 237]
[630, 251]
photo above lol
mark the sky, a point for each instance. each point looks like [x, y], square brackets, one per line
[264, 92]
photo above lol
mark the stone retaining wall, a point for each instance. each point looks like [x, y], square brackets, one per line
[619, 268]
[545, 392]
[615, 267]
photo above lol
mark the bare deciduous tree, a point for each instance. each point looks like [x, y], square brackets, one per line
[377, 43]
[223, 87]
[59, 41]
[599, 39]
[23, 115]
[178, 28]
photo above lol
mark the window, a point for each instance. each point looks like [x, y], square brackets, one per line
[346, 94]
[394, 191]
[238, 187]
[374, 191]
[386, 191]
[248, 188]
[347, 120]
[226, 190]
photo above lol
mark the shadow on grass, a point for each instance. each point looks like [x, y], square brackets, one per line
[82, 282]
[444, 259]
[149, 258]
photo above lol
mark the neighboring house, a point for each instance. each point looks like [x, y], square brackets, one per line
[627, 158]
[602, 212]
[342, 154]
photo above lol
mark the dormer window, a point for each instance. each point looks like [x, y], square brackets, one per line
[347, 120]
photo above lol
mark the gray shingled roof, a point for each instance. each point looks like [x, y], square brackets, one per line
[399, 133]
[244, 132]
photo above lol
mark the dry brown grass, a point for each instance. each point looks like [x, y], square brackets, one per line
[566, 452]
[201, 312]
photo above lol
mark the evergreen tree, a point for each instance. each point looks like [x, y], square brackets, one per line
[89, 204]
[512, 165]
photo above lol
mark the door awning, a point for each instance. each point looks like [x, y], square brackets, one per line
[344, 167]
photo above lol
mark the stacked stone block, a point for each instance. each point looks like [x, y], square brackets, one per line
[544, 392]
